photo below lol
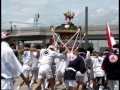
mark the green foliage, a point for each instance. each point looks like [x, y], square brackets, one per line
[20, 58]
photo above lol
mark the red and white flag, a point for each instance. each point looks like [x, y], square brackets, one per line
[110, 38]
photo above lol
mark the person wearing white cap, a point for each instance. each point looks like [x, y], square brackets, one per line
[10, 66]
[46, 59]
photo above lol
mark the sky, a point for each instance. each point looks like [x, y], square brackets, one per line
[22, 12]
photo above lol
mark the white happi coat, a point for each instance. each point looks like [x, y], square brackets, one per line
[27, 60]
[97, 67]
[10, 66]
[46, 60]
[61, 64]
[47, 56]
[35, 61]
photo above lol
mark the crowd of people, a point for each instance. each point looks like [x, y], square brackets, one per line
[49, 67]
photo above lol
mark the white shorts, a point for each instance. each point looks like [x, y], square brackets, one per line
[59, 77]
[45, 72]
[113, 84]
[81, 77]
[70, 83]
[27, 73]
[7, 84]
[34, 73]
[26, 67]
[34, 65]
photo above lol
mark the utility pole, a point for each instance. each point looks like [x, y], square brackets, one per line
[36, 19]
[86, 27]
[11, 28]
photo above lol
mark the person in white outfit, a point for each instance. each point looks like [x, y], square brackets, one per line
[90, 70]
[34, 68]
[61, 64]
[99, 73]
[27, 63]
[46, 59]
[10, 66]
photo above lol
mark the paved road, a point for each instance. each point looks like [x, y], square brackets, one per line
[17, 82]
[24, 87]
